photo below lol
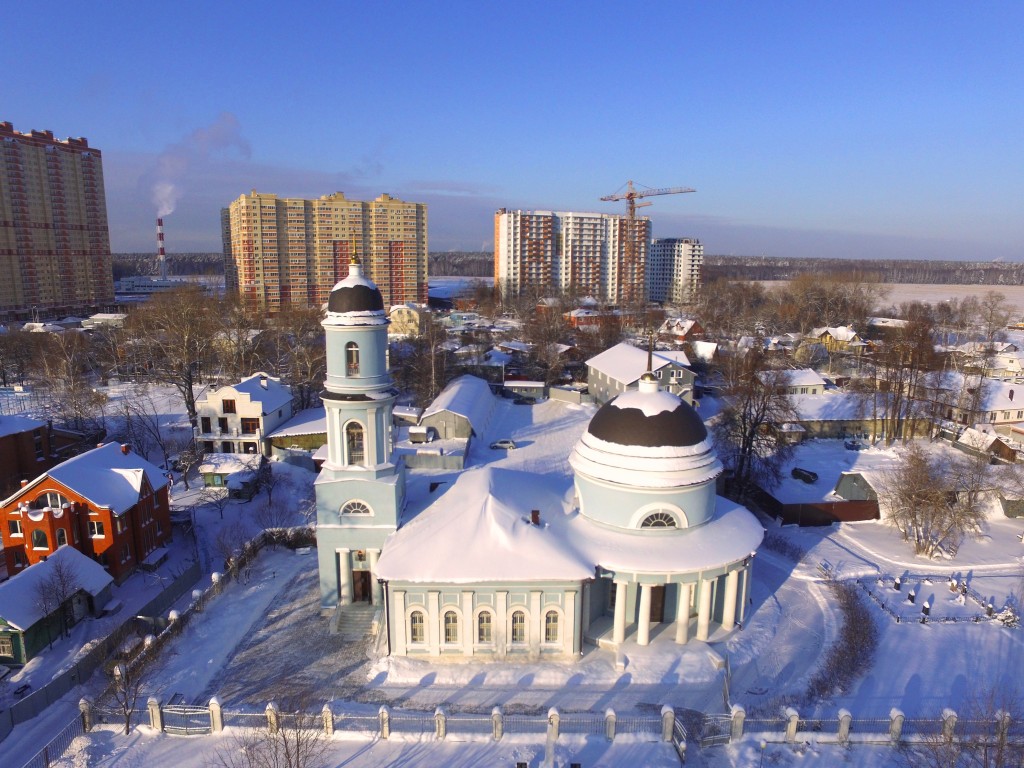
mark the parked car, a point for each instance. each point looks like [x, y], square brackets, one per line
[506, 444]
[523, 400]
[804, 474]
[854, 444]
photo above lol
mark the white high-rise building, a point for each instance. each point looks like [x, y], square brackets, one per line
[596, 254]
[674, 269]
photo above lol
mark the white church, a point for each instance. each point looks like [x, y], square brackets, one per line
[506, 564]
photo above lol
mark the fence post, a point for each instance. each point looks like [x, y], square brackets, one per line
[793, 718]
[609, 724]
[273, 721]
[85, 707]
[197, 599]
[216, 716]
[845, 720]
[1002, 728]
[948, 724]
[328, 716]
[896, 718]
[553, 720]
[215, 579]
[739, 715]
[668, 722]
[156, 719]
[497, 723]
[440, 724]
[384, 714]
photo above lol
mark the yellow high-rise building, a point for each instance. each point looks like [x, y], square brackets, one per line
[54, 241]
[282, 252]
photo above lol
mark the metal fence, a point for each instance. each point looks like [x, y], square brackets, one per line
[57, 746]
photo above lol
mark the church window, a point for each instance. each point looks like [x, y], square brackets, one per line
[551, 627]
[518, 627]
[352, 359]
[355, 508]
[354, 442]
[416, 634]
[39, 540]
[483, 627]
[659, 520]
[451, 627]
[62, 537]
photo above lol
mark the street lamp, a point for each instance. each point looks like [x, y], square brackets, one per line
[763, 745]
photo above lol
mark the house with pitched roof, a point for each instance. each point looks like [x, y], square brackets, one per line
[238, 418]
[619, 369]
[108, 503]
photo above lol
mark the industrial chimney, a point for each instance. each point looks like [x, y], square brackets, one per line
[161, 256]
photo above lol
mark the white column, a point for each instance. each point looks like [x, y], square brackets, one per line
[500, 628]
[468, 625]
[729, 607]
[397, 622]
[745, 593]
[536, 626]
[683, 615]
[570, 628]
[375, 586]
[619, 631]
[371, 448]
[643, 630]
[585, 611]
[434, 628]
[344, 577]
[704, 611]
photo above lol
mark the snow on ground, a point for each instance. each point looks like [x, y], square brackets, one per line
[262, 635]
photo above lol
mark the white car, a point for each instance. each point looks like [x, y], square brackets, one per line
[498, 445]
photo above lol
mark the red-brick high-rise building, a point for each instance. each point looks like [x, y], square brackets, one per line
[54, 240]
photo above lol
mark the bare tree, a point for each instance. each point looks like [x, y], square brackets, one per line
[230, 541]
[422, 365]
[126, 687]
[188, 457]
[64, 375]
[216, 497]
[268, 515]
[297, 742]
[756, 402]
[294, 349]
[177, 329]
[934, 500]
[54, 593]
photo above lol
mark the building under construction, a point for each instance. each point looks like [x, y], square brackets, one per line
[282, 252]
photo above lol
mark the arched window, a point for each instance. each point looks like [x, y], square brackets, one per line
[518, 627]
[356, 508]
[551, 627]
[483, 627]
[354, 442]
[39, 540]
[62, 537]
[659, 520]
[352, 359]
[416, 633]
[451, 627]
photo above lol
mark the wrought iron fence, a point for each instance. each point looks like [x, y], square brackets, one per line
[57, 746]
[584, 722]
[186, 719]
[525, 724]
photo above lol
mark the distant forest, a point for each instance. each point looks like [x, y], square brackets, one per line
[481, 264]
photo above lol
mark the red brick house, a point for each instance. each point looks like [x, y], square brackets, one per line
[108, 503]
[24, 450]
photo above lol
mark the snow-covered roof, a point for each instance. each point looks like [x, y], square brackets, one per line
[804, 377]
[704, 350]
[310, 421]
[480, 531]
[839, 332]
[887, 322]
[106, 476]
[18, 604]
[839, 406]
[275, 395]
[976, 439]
[15, 425]
[627, 363]
[407, 411]
[229, 463]
[466, 396]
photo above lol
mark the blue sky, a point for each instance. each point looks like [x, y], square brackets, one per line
[807, 128]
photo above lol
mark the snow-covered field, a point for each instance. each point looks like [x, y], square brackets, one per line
[263, 637]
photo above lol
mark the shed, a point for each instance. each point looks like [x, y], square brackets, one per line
[463, 409]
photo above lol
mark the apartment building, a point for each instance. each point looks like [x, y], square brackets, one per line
[674, 269]
[282, 252]
[54, 240]
[592, 254]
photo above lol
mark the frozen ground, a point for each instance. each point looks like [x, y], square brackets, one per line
[263, 637]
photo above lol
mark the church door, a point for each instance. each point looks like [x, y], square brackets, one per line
[657, 604]
[361, 586]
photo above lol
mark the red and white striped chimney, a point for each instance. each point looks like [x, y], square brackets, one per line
[161, 256]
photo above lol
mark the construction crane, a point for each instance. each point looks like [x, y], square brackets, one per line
[630, 270]
[632, 194]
